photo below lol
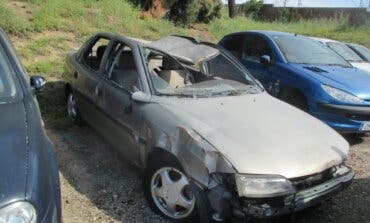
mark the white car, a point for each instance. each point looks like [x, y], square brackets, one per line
[211, 142]
[346, 52]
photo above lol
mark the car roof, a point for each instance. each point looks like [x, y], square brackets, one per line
[324, 40]
[265, 32]
[184, 48]
[187, 49]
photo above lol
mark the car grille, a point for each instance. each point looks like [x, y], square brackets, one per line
[359, 117]
[312, 180]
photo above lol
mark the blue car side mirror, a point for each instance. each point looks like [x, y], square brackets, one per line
[265, 60]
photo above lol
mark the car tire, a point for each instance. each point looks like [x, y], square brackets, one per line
[197, 209]
[72, 108]
[295, 98]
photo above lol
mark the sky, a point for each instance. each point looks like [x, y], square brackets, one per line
[315, 3]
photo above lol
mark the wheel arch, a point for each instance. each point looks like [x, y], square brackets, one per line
[290, 90]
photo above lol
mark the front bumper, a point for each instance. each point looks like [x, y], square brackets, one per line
[296, 202]
[343, 118]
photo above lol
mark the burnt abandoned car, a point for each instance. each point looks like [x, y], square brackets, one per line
[29, 180]
[212, 143]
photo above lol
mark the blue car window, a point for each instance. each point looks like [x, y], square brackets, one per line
[302, 50]
[254, 48]
[344, 51]
[7, 85]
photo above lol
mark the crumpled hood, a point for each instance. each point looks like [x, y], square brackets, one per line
[12, 152]
[349, 79]
[259, 134]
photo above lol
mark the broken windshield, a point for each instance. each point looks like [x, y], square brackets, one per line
[214, 76]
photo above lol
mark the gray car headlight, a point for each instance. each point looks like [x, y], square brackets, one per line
[18, 212]
[341, 95]
[258, 186]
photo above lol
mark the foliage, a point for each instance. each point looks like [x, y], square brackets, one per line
[284, 15]
[252, 8]
[338, 29]
[190, 11]
[10, 22]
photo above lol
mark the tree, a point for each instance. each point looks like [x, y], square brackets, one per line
[231, 4]
[190, 11]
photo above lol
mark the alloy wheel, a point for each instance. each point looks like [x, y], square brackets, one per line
[170, 193]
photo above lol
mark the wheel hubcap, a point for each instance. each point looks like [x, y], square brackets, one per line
[71, 106]
[170, 193]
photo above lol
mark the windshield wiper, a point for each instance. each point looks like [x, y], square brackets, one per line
[337, 64]
[177, 95]
[228, 93]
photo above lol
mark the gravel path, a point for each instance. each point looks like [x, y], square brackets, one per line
[99, 186]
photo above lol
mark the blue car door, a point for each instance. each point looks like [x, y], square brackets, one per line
[253, 48]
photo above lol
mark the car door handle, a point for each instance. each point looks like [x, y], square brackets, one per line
[75, 74]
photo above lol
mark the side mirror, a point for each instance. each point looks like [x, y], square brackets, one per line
[140, 96]
[37, 82]
[265, 60]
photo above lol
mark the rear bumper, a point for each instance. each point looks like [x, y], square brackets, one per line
[344, 118]
[299, 201]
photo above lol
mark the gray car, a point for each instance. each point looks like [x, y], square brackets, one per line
[29, 180]
[212, 143]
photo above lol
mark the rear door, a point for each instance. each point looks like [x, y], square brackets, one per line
[122, 119]
[87, 79]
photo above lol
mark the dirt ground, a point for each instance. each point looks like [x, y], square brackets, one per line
[99, 186]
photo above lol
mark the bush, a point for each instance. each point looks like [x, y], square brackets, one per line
[190, 11]
[252, 8]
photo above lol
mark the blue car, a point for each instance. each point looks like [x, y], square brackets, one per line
[307, 75]
[29, 180]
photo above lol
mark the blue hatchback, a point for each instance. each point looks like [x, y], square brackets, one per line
[307, 75]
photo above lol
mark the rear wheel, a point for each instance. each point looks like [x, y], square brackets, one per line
[72, 108]
[171, 194]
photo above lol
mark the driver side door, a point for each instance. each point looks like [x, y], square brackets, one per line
[253, 48]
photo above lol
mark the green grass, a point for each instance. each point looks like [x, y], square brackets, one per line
[11, 22]
[78, 18]
[89, 16]
[335, 29]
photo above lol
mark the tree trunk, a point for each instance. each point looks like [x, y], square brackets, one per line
[231, 4]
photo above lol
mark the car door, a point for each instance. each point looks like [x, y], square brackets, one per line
[122, 120]
[88, 76]
[253, 48]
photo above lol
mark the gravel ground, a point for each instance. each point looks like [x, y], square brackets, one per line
[99, 186]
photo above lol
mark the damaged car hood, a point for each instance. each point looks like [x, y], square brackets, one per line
[259, 134]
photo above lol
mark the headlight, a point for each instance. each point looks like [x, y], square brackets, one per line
[259, 186]
[18, 212]
[341, 95]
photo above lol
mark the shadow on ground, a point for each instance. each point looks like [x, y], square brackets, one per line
[99, 186]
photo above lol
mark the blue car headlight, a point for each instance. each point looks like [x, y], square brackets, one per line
[341, 95]
[18, 212]
[258, 186]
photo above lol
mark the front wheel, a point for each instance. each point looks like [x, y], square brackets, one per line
[171, 194]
